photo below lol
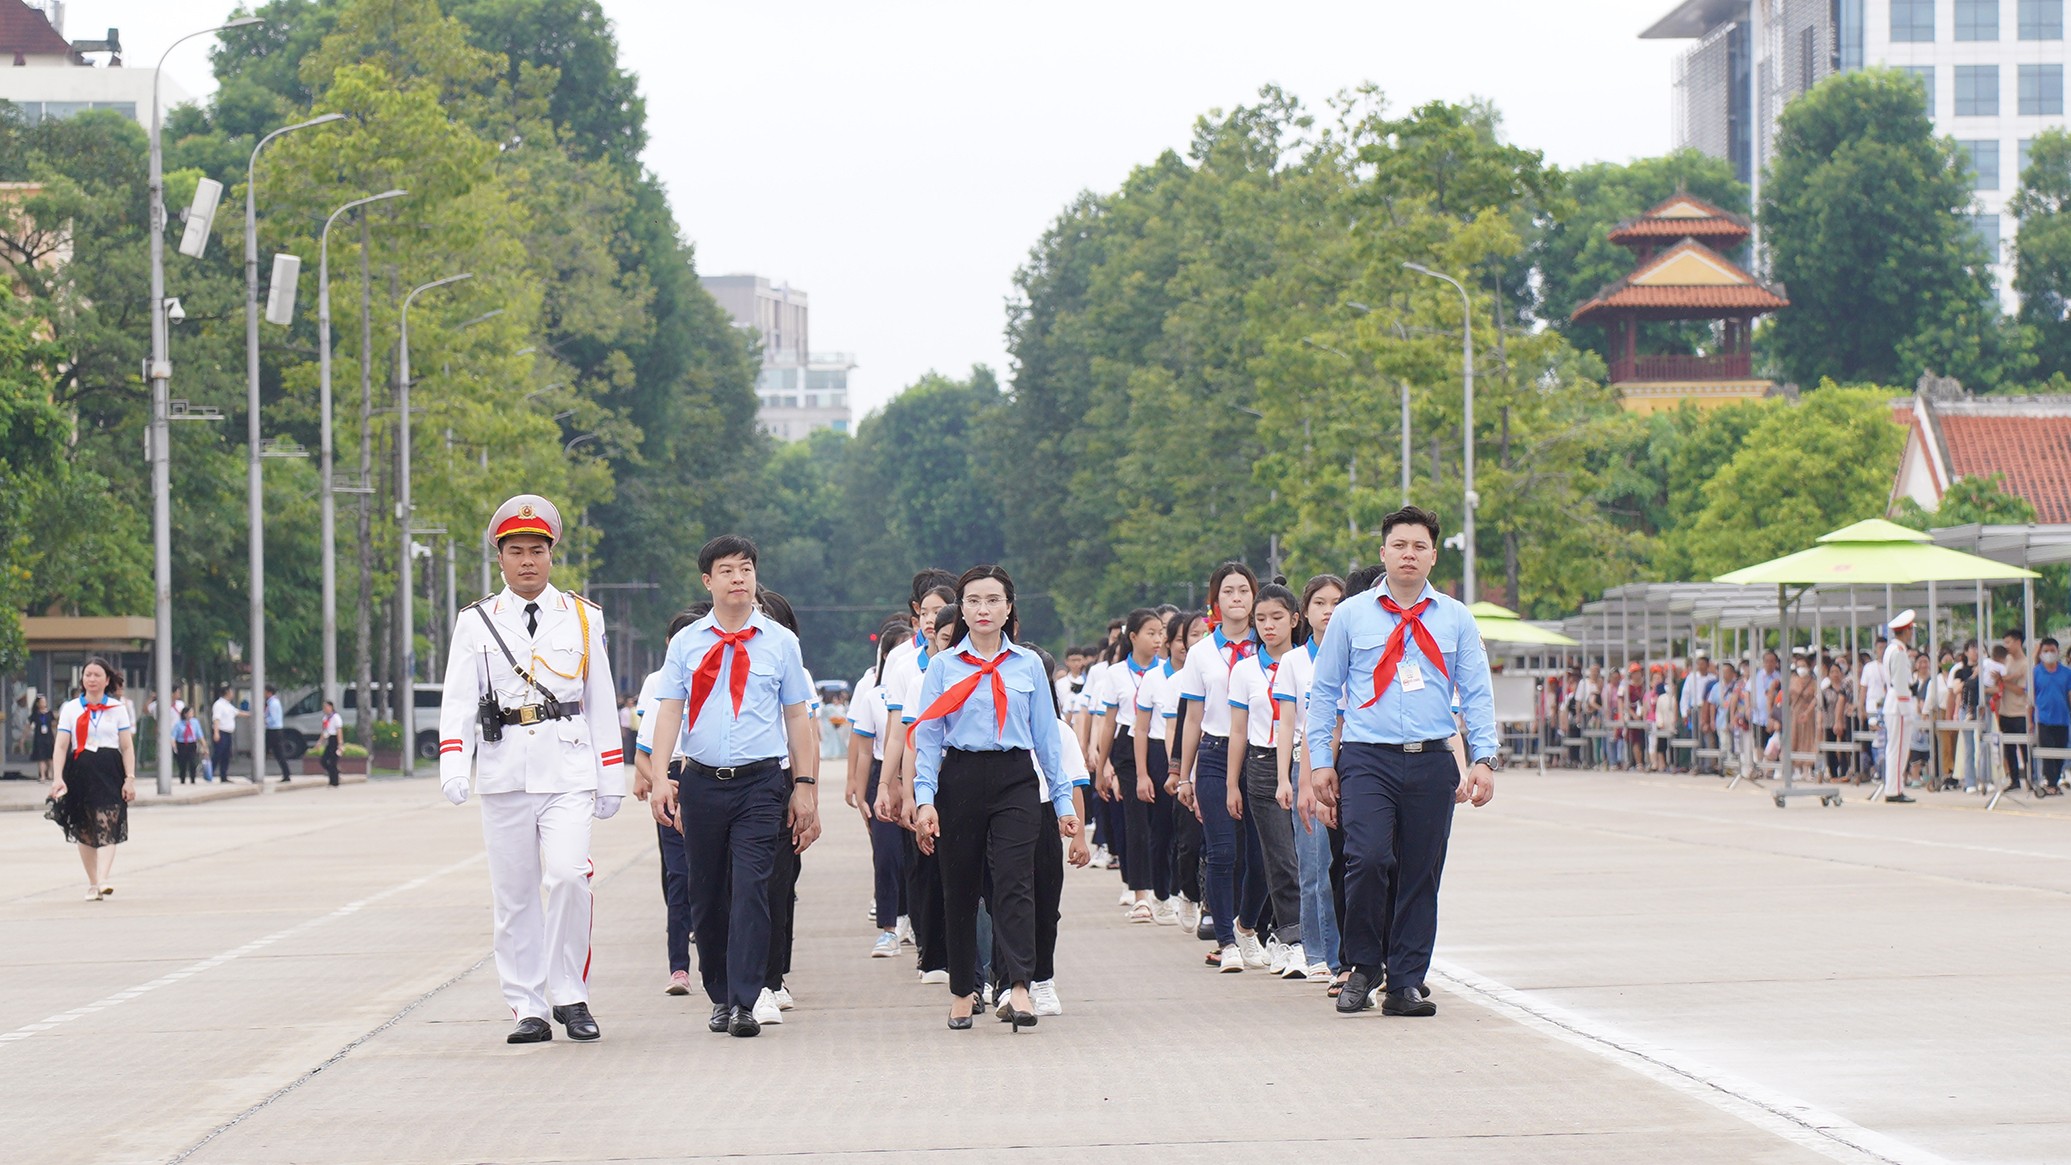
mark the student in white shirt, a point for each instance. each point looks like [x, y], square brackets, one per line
[223, 718]
[668, 838]
[1051, 854]
[1204, 778]
[869, 724]
[1263, 715]
[1156, 705]
[1312, 840]
[1115, 755]
[329, 736]
[94, 777]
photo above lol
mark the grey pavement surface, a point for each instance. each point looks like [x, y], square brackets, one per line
[1635, 969]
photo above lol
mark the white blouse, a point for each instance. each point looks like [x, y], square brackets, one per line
[103, 730]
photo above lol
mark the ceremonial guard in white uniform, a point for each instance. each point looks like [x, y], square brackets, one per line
[1900, 714]
[530, 710]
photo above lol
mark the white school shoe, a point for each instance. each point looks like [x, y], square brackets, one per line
[934, 977]
[783, 997]
[886, 946]
[1232, 960]
[1294, 963]
[1319, 972]
[1128, 898]
[1276, 957]
[93, 893]
[1163, 914]
[1252, 950]
[1043, 993]
[1189, 916]
[766, 1009]
[905, 931]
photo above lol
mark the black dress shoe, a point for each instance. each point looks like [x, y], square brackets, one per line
[530, 1030]
[1898, 799]
[959, 1023]
[1408, 1001]
[722, 1018]
[743, 1024]
[577, 1019]
[1353, 996]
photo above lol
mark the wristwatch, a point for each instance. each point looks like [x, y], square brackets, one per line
[1493, 761]
[805, 780]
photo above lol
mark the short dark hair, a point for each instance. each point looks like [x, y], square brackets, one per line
[2045, 641]
[1363, 579]
[2015, 634]
[685, 618]
[725, 546]
[927, 580]
[778, 608]
[1411, 516]
[944, 617]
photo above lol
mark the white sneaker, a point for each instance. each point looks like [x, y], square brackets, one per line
[1163, 914]
[1043, 994]
[905, 931]
[1294, 963]
[1253, 951]
[932, 977]
[1232, 960]
[985, 995]
[1276, 956]
[783, 997]
[766, 1009]
[1319, 972]
[1189, 916]
[886, 946]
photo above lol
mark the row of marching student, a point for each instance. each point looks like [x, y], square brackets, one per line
[1277, 775]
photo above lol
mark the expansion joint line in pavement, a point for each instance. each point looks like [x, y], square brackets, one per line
[212, 962]
[1787, 1117]
[390, 1022]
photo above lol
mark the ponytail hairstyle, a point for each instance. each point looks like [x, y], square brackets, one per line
[1134, 623]
[890, 634]
[1012, 627]
[925, 581]
[778, 608]
[113, 673]
[1277, 591]
[1049, 681]
[1176, 634]
[1302, 631]
[1215, 581]
[1363, 580]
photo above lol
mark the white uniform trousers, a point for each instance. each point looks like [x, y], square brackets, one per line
[540, 842]
[1898, 741]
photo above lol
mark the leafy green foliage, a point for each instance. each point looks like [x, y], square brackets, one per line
[1975, 499]
[2042, 249]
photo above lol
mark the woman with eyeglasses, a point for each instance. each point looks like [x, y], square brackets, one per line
[988, 717]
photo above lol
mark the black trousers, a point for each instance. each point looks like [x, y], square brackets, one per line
[1275, 869]
[783, 907]
[2052, 736]
[924, 905]
[991, 816]
[730, 833]
[277, 748]
[887, 859]
[331, 758]
[225, 745]
[1397, 811]
[1186, 852]
[1049, 898]
[675, 894]
[1150, 823]
[187, 757]
[2013, 752]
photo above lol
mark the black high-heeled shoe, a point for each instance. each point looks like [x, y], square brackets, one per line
[1022, 1019]
[962, 1023]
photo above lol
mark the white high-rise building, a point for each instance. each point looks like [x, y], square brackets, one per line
[798, 390]
[1993, 71]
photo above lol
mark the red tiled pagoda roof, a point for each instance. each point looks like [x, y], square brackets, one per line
[1696, 219]
[1687, 281]
[2032, 452]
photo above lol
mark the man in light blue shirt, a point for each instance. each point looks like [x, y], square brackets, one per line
[1398, 654]
[747, 695]
[276, 740]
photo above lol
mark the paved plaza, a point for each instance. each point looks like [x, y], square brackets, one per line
[1634, 969]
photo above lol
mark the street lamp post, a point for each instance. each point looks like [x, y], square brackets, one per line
[159, 371]
[405, 568]
[254, 478]
[325, 455]
[1469, 498]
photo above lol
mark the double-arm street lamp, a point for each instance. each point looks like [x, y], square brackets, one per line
[325, 455]
[159, 371]
[1467, 478]
[407, 654]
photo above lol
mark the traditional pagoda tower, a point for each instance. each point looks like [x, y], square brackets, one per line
[1682, 276]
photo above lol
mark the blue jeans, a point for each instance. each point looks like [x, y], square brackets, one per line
[1319, 912]
[1218, 835]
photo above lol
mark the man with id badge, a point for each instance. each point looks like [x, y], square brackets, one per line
[1398, 654]
[529, 707]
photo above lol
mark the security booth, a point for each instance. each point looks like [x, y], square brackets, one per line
[59, 646]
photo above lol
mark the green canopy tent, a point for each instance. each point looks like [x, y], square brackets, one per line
[1503, 625]
[1872, 552]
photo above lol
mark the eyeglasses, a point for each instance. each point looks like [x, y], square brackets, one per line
[983, 602]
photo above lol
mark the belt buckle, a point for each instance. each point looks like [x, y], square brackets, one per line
[529, 714]
[726, 774]
[1414, 746]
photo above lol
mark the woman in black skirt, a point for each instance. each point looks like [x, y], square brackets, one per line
[96, 775]
[42, 737]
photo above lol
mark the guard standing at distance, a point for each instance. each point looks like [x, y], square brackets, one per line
[1899, 710]
[743, 681]
[1392, 784]
[529, 706]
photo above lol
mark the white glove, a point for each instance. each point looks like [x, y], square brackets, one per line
[456, 790]
[606, 806]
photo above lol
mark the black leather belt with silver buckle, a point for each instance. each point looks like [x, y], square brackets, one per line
[537, 714]
[754, 768]
[1415, 746]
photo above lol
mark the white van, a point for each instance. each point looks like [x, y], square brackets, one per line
[303, 719]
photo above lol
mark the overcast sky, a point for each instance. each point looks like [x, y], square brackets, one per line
[896, 161]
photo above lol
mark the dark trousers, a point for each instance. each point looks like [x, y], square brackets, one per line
[783, 907]
[1218, 836]
[1337, 890]
[1397, 810]
[887, 859]
[1049, 896]
[277, 748]
[730, 833]
[675, 896]
[1186, 852]
[991, 816]
[2013, 752]
[2053, 736]
[187, 757]
[331, 758]
[1276, 870]
[924, 905]
[1114, 828]
[1150, 824]
[226, 743]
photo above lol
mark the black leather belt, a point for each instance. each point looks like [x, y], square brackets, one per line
[537, 713]
[754, 768]
[1416, 746]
